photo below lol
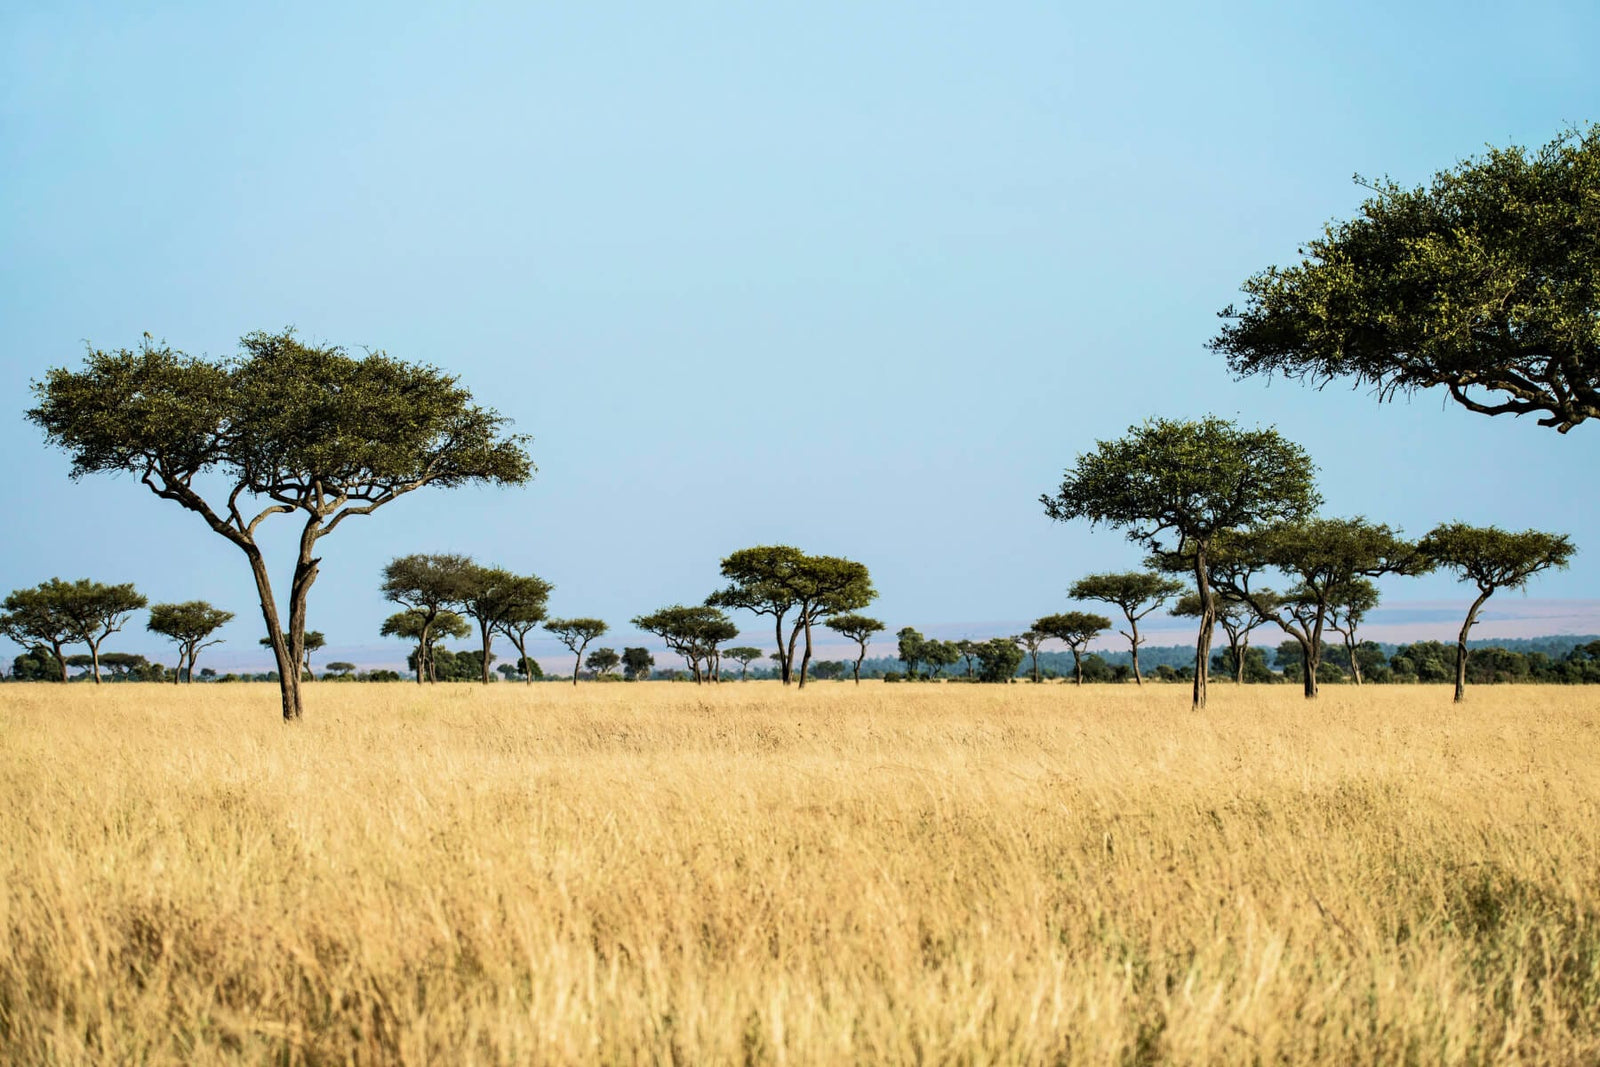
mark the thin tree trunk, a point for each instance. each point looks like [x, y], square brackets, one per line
[1035, 654]
[94, 658]
[578, 666]
[1310, 661]
[858, 662]
[806, 662]
[783, 661]
[177, 674]
[1133, 643]
[1355, 664]
[1461, 644]
[1208, 621]
[794, 636]
[288, 669]
[488, 639]
[305, 573]
[1238, 649]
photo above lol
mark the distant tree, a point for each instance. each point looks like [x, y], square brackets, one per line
[828, 670]
[207, 673]
[1075, 629]
[602, 661]
[95, 611]
[1482, 280]
[636, 664]
[998, 660]
[191, 625]
[744, 655]
[576, 635]
[969, 653]
[858, 628]
[37, 619]
[1031, 640]
[1176, 486]
[123, 665]
[1136, 593]
[938, 655]
[427, 583]
[1237, 619]
[693, 632]
[339, 668]
[285, 427]
[910, 647]
[1322, 556]
[522, 609]
[772, 580]
[1492, 559]
[488, 596]
[311, 641]
[1347, 609]
[412, 625]
[509, 671]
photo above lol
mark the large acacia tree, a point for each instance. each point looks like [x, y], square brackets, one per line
[1136, 593]
[1176, 486]
[1486, 281]
[281, 428]
[1492, 559]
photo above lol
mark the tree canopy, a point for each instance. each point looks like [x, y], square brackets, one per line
[189, 624]
[1075, 629]
[1175, 485]
[1136, 593]
[858, 628]
[1485, 281]
[576, 635]
[283, 427]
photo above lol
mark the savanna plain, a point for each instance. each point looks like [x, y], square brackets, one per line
[665, 873]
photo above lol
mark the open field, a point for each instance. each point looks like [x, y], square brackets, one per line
[664, 873]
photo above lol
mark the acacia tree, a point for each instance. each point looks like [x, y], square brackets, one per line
[744, 655]
[282, 428]
[576, 635]
[1483, 280]
[1075, 629]
[1175, 486]
[969, 652]
[189, 624]
[311, 641]
[998, 660]
[1322, 557]
[636, 664]
[411, 625]
[34, 618]
[602, 661]
[488, 595]
[761, 582]
[858, 628]
[1347, 608]
[1492, 559]
[1237, 619]
[523, 609]
[1030, 640]
[97, 611]
[427, 583]
[909, 645]
[1137, 593]
[693, 632]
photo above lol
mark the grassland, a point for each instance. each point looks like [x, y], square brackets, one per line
[891, 874]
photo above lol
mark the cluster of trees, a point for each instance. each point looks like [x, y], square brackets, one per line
[55, 614]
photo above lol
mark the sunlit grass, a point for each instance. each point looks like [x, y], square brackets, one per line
[913, 873]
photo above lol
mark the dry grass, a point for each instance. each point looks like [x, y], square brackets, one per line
[662, 873]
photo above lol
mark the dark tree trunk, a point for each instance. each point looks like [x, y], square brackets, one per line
[1208, 621]
[806, 661]
[1077, 665]
[1238, 650]
[177, 674]
[488, 639]
[1133, 643]
[1355, 664]
[858, 662]
[1461, 644]
[288, 668]
[794, 637]
[783, 660]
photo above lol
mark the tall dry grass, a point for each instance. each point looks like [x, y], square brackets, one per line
[663, 873]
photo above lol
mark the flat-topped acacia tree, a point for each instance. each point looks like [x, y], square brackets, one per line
[189, 624]
[281, 428]
[1137, 593]
[1176, 486]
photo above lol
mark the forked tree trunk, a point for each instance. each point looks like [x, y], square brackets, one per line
[488, 639]
[1077, 665]
[1133, 644]
[794, 637]
[94, 658]
[288, 666]
[806, 661]
[1461, 645]
[1238, 651]
[1355, 664]
[858, 663]
[177, 673]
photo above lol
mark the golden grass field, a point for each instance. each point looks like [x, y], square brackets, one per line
[662, 873]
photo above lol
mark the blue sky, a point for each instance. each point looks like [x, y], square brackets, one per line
[859, 277]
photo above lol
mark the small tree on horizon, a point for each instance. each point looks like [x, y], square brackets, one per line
[189, 624]
[576, 635]
[858, 628]
[1031, 640]
[1136, 593]
[602, 661]
[744, 655]
[1492, 559]
[1075, 629]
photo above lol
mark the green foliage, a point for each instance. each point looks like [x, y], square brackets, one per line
[1493, 558]
[998, 660]
[1485, 279]
[602, 661]
[1137, 593]
[692, 632]
[636, 663]
[775, 579]
[1188, 480]
[36, 618]
[190, 624]
[1075, 629]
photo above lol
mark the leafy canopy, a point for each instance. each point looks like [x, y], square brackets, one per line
[1486, 281]
[1493, 558]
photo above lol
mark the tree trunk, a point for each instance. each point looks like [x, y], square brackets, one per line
[783, 661]
[1035, 666]
[1077, 665]
[488, 639]
[794, 636]
[288, 669]
[1461, 644]
[578, 666]
[1310, 661]
[1133, 643]
[806, 662]
[1355, 664]
[858, 663]
[94, 658]
[1238, 649]
[305, 573]
[177, 673]
[1208, 621]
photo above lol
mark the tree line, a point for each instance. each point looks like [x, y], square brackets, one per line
[1481, 282]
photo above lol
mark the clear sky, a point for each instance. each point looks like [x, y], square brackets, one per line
[863, 278]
